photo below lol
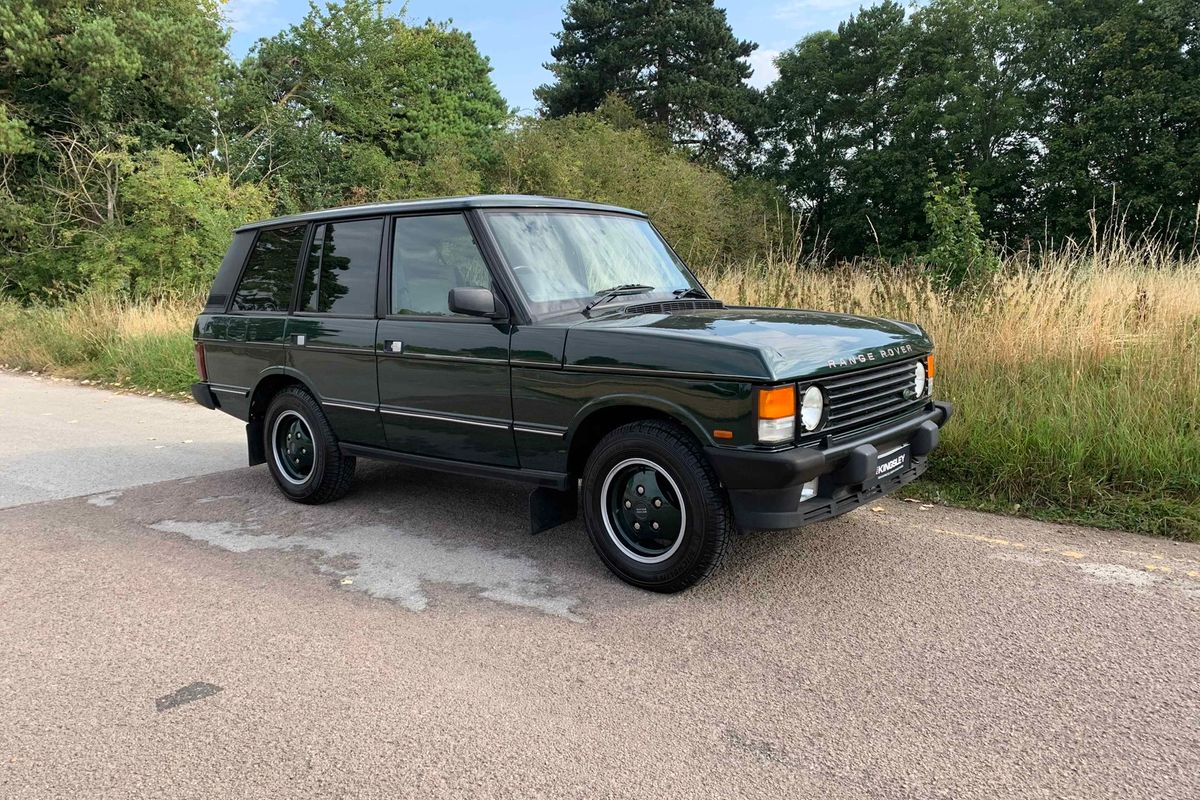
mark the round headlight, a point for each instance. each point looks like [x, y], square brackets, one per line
[812, 408]
[919, 379]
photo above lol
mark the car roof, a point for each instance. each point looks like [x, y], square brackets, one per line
[445, 204]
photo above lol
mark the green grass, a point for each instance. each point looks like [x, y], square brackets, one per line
[1101, 444]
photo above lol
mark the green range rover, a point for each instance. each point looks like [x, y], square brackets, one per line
[565, 345]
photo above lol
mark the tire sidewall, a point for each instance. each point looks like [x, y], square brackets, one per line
[607, 455]
[304, 406]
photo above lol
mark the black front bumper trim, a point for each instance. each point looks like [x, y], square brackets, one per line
[765, 488]
[760, 471]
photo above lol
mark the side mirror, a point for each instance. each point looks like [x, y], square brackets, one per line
[475, 302]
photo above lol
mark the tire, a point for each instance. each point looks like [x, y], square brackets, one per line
[647, 473]
[318, 473]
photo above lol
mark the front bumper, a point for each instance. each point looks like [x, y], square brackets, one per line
[765, 488]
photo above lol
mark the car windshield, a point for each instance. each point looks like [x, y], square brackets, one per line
[564, 260]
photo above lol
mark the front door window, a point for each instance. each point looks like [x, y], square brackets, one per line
[431, 256]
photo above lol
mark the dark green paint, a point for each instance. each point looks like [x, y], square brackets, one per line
[644, 510]
[759, 344]
[455, 369]
[337, 361]
[511, 394]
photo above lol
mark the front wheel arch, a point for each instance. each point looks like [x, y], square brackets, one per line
[597, 419]
[640, 455]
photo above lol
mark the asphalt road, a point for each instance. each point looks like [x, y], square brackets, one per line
[200, 637]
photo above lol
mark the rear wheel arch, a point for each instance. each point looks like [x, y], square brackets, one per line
[268, 386]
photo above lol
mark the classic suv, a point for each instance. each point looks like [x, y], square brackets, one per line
[565, 345]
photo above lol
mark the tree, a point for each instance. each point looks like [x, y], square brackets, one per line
[835, 108]
[147, 68]
[1055, 108]
[1122, 104]
[354, 104]
[90, 91]
[969, 102]
[676, 62]
[958, 250]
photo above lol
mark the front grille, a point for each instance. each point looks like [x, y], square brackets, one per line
[667, 306]
[869, 397]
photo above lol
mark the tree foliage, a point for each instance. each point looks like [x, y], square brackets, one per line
[352, 104]
[676, 62]
[1059, 111]
[146, 68]
[958, 251]
[130, 144]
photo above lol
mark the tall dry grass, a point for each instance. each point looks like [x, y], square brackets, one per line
[1075, 375]
[146, 345]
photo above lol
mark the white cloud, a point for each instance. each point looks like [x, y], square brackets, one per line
[799, 12]
[763, 64]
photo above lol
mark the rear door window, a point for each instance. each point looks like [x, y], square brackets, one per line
[342, 268]
[270, 272]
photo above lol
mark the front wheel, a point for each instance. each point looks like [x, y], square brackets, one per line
[302, 450]
[654, 510]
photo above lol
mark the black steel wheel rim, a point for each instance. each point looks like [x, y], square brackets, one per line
[643, 512]
[295, 455]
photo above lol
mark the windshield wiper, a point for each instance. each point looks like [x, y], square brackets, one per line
[604, 295]
[691, 292]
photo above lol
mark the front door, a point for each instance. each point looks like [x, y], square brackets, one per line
[443, 377]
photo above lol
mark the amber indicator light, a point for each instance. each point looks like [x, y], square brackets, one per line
[777, 403]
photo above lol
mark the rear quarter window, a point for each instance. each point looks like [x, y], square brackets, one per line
[270, 271]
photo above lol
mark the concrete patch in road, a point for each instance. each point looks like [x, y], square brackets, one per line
[392, 564]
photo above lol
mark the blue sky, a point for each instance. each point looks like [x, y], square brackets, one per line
[516, 35]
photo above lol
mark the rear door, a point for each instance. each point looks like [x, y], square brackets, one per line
[255, 326]
[331, 334]
[443, 377]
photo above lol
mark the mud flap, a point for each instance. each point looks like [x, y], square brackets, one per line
[256, 451]
[549, 508]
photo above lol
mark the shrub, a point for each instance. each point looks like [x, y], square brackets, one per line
[609, 157]
[958, 250]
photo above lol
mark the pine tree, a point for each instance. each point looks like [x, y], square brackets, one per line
[676, 62]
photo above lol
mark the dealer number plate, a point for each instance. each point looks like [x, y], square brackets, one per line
[892, 462]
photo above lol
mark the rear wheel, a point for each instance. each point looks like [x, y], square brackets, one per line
[654, 509]
[302, 450]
